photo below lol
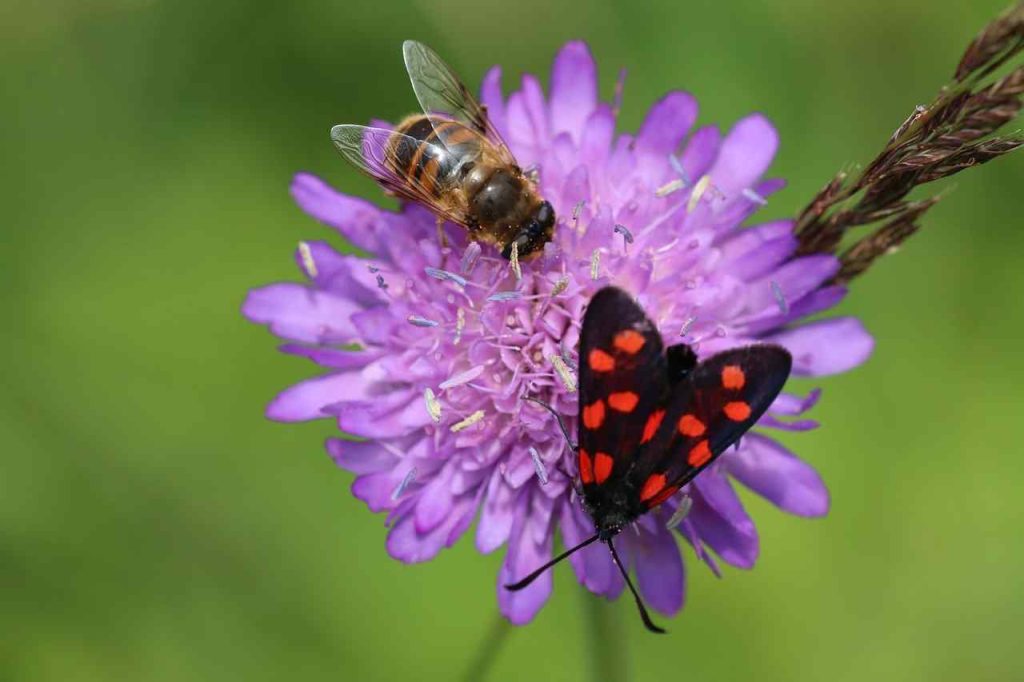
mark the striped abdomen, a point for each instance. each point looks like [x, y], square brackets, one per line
[439, 153]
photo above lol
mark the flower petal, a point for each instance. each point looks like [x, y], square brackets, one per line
[573, 89]
[491, 97]
[665, 126]
[295, 312]
[496, 515]
[524, 555]
[360, 457]
[773, 472]
[356, 219]
[827, 347]
[659, 570]
[306, 400]
[746, 153]
[721, 521]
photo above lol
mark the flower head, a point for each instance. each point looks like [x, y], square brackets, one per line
[452, 338]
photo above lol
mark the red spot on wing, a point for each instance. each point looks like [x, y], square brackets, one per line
[733, 377]
[602, 467]
[629, 341]
[586, 467]
[651, 427]
[593, 415]
[737, 410]
[690, 426]
[652, 486]
[699, 454]
[600, 361]
[623, 402]
[662, 496]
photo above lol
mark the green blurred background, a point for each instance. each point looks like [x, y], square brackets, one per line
[155, 526]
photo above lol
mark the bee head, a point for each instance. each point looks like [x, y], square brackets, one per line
[535, 233]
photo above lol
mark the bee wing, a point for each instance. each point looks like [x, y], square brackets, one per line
[379, 153]
[441, 93]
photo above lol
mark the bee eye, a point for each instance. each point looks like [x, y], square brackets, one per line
[545, 215]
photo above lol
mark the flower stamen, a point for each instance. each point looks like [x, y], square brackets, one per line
[433, 405]
[538, 465]
[513, 262]
[421, 321]
[564, 373]
[468, 421]
[698, 192]
[308, 264]
[409, 477]
[780, 298]
[444, 275]
[462, 377]
[685, 503]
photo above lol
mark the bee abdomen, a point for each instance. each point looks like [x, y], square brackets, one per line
[440, 147]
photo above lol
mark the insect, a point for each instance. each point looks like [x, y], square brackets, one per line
[652, 419]
[452, 160]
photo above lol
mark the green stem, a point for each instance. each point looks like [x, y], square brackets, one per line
[605, 639]
[488, 650]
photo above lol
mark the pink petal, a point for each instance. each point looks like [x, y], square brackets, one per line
[746, 153]
[293, 311]
[774, 473]
[573, 89]
[306, 400]
[827, 347]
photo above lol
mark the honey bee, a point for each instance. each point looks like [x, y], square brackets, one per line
[452, 160]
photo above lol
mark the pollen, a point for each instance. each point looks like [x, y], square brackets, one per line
[308, 264]
[468, 421]
[593, 415]
[699, 454]
[586, 467]
[737, 410]
[603, 463]
[564, 373]
[561, 285]
[698, 192]
[513, 261]
[600, 361]
[652, 486]
[629, 341]
[669, 188]
[460, 324]
[624, 401]
[690, 426]
[433, 405]
[651, 427]
[733, 377]
[595, 264]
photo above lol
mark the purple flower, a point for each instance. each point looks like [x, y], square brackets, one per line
[452, 338]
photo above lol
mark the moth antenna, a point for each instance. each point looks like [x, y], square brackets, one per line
[558, 418]
[536, 574]
[644, 616]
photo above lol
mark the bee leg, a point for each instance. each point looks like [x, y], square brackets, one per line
[441, 238]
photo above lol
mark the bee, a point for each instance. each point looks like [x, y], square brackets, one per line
[451, 160]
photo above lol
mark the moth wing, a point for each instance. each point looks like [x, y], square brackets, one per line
[622, 379]
[717, 402]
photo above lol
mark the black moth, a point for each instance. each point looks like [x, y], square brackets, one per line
[651, 420]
